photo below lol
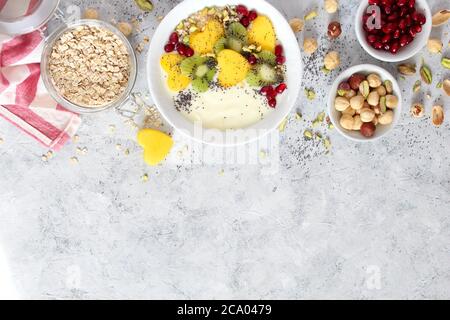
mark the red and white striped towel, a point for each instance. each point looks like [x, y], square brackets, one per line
[24, 101]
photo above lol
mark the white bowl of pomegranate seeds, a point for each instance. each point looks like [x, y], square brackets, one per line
[393, 30]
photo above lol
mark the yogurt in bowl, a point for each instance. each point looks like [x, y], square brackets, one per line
[224, 67]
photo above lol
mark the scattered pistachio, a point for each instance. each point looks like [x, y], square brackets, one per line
[74, 160]
[298, 116]
[417, 110]
[282, 125]
[439, 85]
[145, 5]
[297, 25]
[76, 138]
[1, 140]
[441, 17]
[437, 115]
[311, 15]
[327, 143]
[49, 154]
[434, 45]
[325, 70]
[310, 94]
[446, 86]
[44, 158]
[446, 62]
[112, 128]
[118, 147]
[127, 152]
[262, 154]
[144, 177]
[407, 69]
[417, 86]
[426, 74]
[308, 135]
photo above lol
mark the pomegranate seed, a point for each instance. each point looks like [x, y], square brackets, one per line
[271, 93]
[401, 3]
[403, 11]
[173, 39]
[281, 88]
[279, 50]
[372, 38]
[397, 34]
[189, 52]
[181, 48]
[388, 10]
[281, 60]
[272, 103]
[252, 59]
[245, 21]
[395, 46]
[412, 32]
[386, 38]
[402, 24]
[404, 41]
[378, 45]
[252, 15]
[265, 90]
[412, 3]
[417, 28]
[169, 47]
[242, 10]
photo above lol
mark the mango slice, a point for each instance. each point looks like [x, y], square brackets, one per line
[262, 33]
[156, 144]
[233, 68]
[170, 61]
[203, 41]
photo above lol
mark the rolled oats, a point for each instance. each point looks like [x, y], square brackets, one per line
[90, 66]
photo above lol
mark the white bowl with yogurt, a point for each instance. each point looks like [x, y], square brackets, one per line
[240, 105]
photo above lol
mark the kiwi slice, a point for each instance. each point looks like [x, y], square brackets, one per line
[220, 45]
[253, 79]
[201, 70]
[263, 75]
[238, 31]
[267, 57]
[235, 44]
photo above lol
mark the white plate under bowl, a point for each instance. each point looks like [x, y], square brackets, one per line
[335, 115]
[404, 53]
[163, 99]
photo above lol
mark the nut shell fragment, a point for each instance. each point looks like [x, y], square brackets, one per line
[446, 86]
[437, 115]
[441, 17]
[417, 110]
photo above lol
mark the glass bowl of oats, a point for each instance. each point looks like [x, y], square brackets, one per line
[89, 66]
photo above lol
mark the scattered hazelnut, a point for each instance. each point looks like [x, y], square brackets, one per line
[374, 80]
[341, 104]
[334, 30]
[367, 115]
[332, 60]
[331, 6]
[297, 25]
[434, 45]
[391, 101]
[310, 45]
[125, 28]
[90, 13]
[386, 118]
[347, 122]
[417, 110]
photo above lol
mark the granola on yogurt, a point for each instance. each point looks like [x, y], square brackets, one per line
[89, 66]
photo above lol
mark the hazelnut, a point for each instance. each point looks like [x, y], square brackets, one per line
[357, 123]
[297, 25]
[334, 30]
[125, 28]
[347, 122]
[357, 102]
[367, 115]
[341, 103]
[331, 6]
[350, 94]
[310, 45]
[355, 80]
[368, 129]
[374, 80]
[373, 99]
[332, 60]
[386, 118]
[417, 110]
[435, 45]
[382, 91]
[90, 13]
[391, 101]
[349, 111]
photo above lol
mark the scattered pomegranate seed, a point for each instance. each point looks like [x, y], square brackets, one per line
[252, 15]
[252, 59]
[173, 39]
[242, 10]
[279, 50]
[281, 60]
[265, 90]
[281, 88]
[169, 47]
[272, 103]
[189, 52]
[245, 21]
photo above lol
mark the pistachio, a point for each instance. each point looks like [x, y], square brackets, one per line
[426, 74]
[407, 69]
[144, 5]
[388, 85]
[297, 25]
[308, 135]
[446, 86]
[446, 62]
[437, 115]
[327, 143]
[311, 15]
[364, 89]
[441, 17]
[310, 94]
[417, 110]
[417, 86]
[383, 106]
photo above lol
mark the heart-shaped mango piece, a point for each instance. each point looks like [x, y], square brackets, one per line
[233, 68]
[156, 144]
[203, 41]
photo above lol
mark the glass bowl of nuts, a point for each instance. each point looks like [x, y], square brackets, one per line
[89, 66]
[365, 103]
